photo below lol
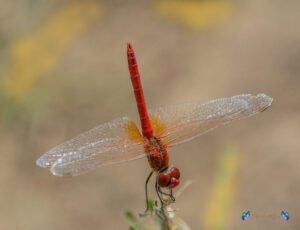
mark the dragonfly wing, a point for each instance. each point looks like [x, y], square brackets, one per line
[109, 143]
[178, 124]
[89, 158]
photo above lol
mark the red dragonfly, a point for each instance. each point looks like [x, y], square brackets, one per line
[120, 140]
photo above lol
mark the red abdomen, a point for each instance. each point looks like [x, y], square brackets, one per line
[138, 92]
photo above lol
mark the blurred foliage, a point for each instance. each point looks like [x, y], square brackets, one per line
[37, 53]
[155, 220]
[217, 214]
[135, 223]
[196, 15]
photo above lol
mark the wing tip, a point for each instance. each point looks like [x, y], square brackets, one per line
[266, 101]
[41, 162]
[56, 172]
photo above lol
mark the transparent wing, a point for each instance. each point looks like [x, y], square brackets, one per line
[109, 143]
[178, 124]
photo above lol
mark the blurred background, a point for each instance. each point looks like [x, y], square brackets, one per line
[63, 70]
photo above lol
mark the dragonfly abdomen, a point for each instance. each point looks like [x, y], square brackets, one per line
[138, 93]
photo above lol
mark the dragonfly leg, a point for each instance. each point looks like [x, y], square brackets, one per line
[158, 191]
[146, 190]
[167, 194]
[171, 196]
[162, 213]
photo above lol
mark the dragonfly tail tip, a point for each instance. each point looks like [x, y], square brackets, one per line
[129, 47]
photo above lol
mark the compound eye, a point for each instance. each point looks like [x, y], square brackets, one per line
[174, 183]
[164, 179]
[175, 173]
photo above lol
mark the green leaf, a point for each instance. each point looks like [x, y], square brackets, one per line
[151, 204]
[130, 217]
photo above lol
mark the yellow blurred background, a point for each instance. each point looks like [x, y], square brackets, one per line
[64, 71]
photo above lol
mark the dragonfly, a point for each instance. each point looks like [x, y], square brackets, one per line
[121, 140]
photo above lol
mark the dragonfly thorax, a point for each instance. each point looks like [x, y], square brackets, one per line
[157, 154]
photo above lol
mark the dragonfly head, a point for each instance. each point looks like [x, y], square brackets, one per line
[169, 178]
